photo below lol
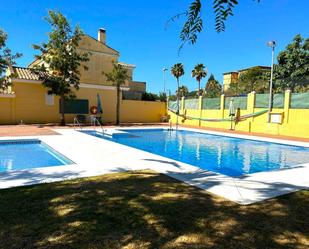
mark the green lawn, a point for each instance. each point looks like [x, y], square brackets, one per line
[146, 210]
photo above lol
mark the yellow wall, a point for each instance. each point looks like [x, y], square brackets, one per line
[6, 108]
[295, 121]
[29, 105]
[141, 111]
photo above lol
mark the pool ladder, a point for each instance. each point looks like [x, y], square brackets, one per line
[171, 127]
[77, 124]
[96, 121]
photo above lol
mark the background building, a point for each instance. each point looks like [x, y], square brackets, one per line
[232, 77]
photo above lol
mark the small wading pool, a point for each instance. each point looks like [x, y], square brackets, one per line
[221, 154]
[27, 154]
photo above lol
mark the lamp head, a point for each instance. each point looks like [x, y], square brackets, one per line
[271, 44]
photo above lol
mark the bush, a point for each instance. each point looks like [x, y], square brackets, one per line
[150, 97]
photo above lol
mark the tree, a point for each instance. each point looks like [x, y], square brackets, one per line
[194, 22]
[6, 59]
[177, 71]
[61, 59]
[162, 97]
[292, 71]
[118, 76]
[254, 79]
[199, 72]
[183, 91]
[150, 97]
[213, 88]
[192, 94]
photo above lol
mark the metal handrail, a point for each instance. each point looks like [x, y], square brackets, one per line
[95, 120]
[76, 122]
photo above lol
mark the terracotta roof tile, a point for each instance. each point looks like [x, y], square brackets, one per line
[24, 73]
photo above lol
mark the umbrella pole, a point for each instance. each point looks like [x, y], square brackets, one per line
[232, 116]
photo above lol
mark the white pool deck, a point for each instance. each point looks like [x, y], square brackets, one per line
[94, 156]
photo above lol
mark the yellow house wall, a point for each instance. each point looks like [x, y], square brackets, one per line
[101, 58]
[137, 86]
[29, 106]
[108, 101]
[295, 121]
[6, 109]
[141, 111]
[97, 64]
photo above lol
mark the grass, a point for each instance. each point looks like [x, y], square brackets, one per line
[144, 209]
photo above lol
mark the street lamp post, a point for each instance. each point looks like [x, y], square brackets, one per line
[271, 44]
[164, 79]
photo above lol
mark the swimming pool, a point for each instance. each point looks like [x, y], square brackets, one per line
[27, 154]
[221, 154]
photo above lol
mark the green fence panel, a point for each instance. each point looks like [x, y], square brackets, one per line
[262, 100]
[239, 102]
[299, 101]
[211, 103]
[191, 103]
[173, 105]
[278, 100]
[75, 106]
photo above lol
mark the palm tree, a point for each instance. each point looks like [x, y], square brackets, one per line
[118, 77]
[183, 91]
[199, 72]
[177, 71]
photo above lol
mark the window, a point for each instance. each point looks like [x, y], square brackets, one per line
[49, 99]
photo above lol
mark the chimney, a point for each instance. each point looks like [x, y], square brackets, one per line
[102, 35]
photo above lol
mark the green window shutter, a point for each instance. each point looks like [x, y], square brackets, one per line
[75, 106]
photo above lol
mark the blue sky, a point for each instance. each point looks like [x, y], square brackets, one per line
[138, 30]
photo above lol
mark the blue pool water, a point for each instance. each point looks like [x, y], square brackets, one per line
[16, 155]
[225, 155]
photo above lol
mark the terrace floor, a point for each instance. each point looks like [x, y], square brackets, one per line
[37, 130]
[49, 129]
[25, 130]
